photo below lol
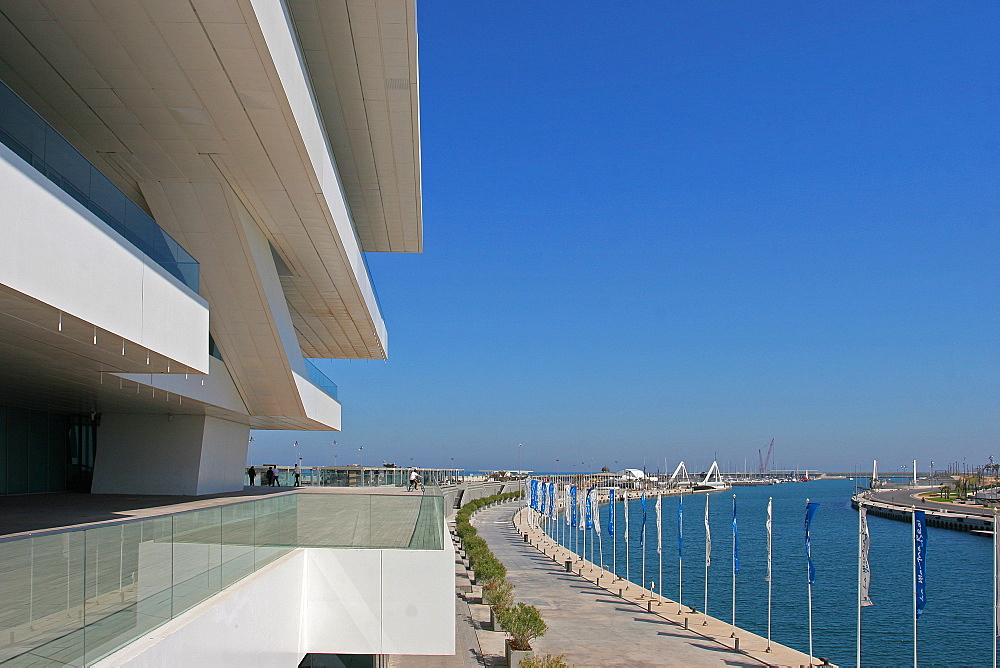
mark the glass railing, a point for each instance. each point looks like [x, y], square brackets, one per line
[72, 597]
[320, 379]
[26, 133]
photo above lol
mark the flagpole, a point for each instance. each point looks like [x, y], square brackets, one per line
[914, 529]
[680, 555]
[860, 536]
[860, 549]
[628, 569]
[769, 574]
[996, 622]
[708, 553]
[614, 537]
[734, 566]
[659, 541]
[642, 543]
[809, 581]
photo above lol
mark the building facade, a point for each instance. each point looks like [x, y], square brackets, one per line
[189, 189]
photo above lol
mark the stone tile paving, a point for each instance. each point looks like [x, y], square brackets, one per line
[589, 624]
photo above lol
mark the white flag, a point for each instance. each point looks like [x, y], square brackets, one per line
[581, 523]
[768, 578]
[866, 574]
[708, 537]
[659, 524]
[625, 508]
[566, 505]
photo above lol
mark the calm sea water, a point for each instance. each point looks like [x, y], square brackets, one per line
[954, 630]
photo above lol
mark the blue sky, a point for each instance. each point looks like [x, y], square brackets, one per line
[669, 229]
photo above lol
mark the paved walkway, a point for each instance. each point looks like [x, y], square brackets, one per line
[589, 624]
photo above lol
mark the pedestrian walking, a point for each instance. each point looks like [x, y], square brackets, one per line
[251, 473]
[298, 474]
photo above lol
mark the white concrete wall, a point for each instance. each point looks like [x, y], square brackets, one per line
[56, 251]
[256, 623]
[164, 454]
[321, 600]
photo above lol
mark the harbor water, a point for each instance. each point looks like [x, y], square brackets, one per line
[954, 630]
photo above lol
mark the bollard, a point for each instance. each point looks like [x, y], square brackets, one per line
[620, 593]
[526, 537]
[649, 605]
[737, 641]
[569, 566]
[685, 622]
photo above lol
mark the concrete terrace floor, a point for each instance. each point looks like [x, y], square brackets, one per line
[26, 513]
[588, 624]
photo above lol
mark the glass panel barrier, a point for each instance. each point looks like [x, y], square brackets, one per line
[73, 597]
[27, 134]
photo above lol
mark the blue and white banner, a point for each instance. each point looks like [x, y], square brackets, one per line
[595, 504]
[864, 543]
[611, 513]
[708, 537]
[659, 524]
[552, 500]
[534, 494]
[767, 526]
[642, 534]
[573, 506]
[581, 525]
[736, 540]
[680, 527]
[625, 508]
[543, 497]
[589, 508]
[920, 558]
[810, 511]
[566, 512]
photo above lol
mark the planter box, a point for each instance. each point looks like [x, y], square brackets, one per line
[514, 656]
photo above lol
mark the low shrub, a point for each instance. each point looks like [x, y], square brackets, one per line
[524, 623]
[544, 661]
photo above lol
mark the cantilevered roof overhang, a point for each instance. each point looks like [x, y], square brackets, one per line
[362, 59]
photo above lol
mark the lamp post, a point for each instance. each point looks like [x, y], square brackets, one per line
[360, 448]
[519, 446]
[334, 446]
[250, 451]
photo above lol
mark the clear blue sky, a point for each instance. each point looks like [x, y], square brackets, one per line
[669, 229]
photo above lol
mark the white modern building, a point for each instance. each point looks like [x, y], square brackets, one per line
[188, 189]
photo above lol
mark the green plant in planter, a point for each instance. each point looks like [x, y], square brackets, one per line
[545, 661]
[498, 593]
[524, 623]
[489, 568]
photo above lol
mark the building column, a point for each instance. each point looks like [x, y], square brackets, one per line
[169, 454]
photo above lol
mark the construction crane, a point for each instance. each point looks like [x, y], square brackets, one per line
[765, 462]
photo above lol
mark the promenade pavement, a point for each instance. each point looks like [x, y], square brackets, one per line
[589, 624]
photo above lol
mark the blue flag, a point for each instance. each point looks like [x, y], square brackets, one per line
[642, 534]
[552, 500]
[589, 508]
[920, 553]
[680, 527]
[810, 511]
[534, 494]
[611, 513]
[736, 540]
[572, 496]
